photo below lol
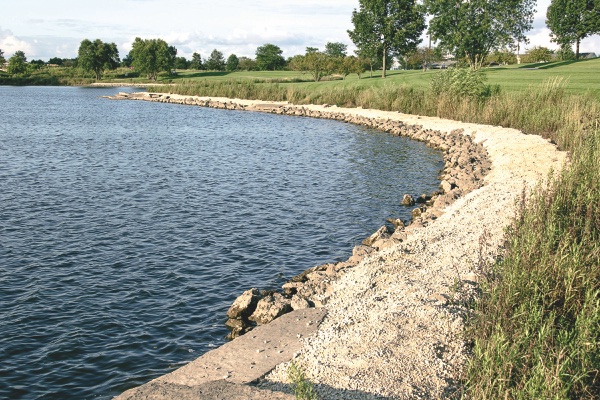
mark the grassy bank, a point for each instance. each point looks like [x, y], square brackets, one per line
[536, 333]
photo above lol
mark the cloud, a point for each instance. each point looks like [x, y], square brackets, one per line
[9, 43]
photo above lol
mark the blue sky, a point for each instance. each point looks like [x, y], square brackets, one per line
[48, 28]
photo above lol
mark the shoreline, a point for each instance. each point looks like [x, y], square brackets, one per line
[397, 315]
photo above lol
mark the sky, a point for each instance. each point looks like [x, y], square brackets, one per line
[54, 28]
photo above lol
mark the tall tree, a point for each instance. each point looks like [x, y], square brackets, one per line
[17, 64]
[571, 21]
[473, 28]
[383, 26]
[268, 57]
[2, 59]
[232, 63]
[216, 61]
[97, 56]
[196, 61]
[151, 56]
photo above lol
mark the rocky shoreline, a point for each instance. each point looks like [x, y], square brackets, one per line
[465, 166]
[396, 308]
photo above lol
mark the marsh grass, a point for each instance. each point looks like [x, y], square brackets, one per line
[537, 330]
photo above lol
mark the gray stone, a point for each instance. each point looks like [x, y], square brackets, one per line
[446, 186]
[270, 307]
[397, 222]
[299, 303]
[382, 233]
[244, 305]
[408, 200]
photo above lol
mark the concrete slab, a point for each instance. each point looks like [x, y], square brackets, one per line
[243, 360]
[215, 390]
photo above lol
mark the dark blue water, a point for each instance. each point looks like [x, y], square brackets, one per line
[128, 228]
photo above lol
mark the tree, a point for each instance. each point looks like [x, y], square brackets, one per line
[473, 28]
[232, 63]
[151, 56]
[97, 56]
[247, 64]
[349, 65]
[317, 63]
[571, 21]
[17, 64]
[56, 61]
[539, 54]
[383, 26]
[268, 57]
[215, 62]
[336, 49]
[181, 63]
[421, 58]
[196, 62]
[2, 59]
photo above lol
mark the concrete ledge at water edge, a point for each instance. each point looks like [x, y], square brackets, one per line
[241, 361]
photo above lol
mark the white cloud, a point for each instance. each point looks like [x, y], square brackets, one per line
[9, 44]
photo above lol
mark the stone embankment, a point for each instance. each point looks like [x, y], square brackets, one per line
[395, 310]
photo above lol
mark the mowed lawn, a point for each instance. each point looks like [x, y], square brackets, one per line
[576, 76]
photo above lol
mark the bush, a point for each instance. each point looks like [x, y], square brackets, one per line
[462, 82]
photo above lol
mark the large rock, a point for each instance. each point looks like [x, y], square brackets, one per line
[244, 305]
[408, 200]
[269, 308]
[382, 233]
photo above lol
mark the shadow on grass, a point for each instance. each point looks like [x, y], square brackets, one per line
[549, 65]
[200, 74]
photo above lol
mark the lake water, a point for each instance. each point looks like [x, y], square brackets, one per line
[128, 228]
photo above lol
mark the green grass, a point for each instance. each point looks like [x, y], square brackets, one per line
[579, 77]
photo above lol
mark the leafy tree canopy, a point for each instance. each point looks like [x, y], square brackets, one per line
[383, 26]
[539, 54]
[216, 61]
[268, 57]
[247, 64]
[473, 28]
[56, 61]
[232, 63]
[151, 56]
[196, 62]
[317, 63]
[97, 56]
[571, 21]
[17, 64]
[181, 63]
[336, 49]
[2, 59]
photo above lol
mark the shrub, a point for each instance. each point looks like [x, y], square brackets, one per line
[462, 82]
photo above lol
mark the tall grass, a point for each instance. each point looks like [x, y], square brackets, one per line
[536, 333]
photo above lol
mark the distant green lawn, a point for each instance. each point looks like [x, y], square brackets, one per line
[577, 76]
